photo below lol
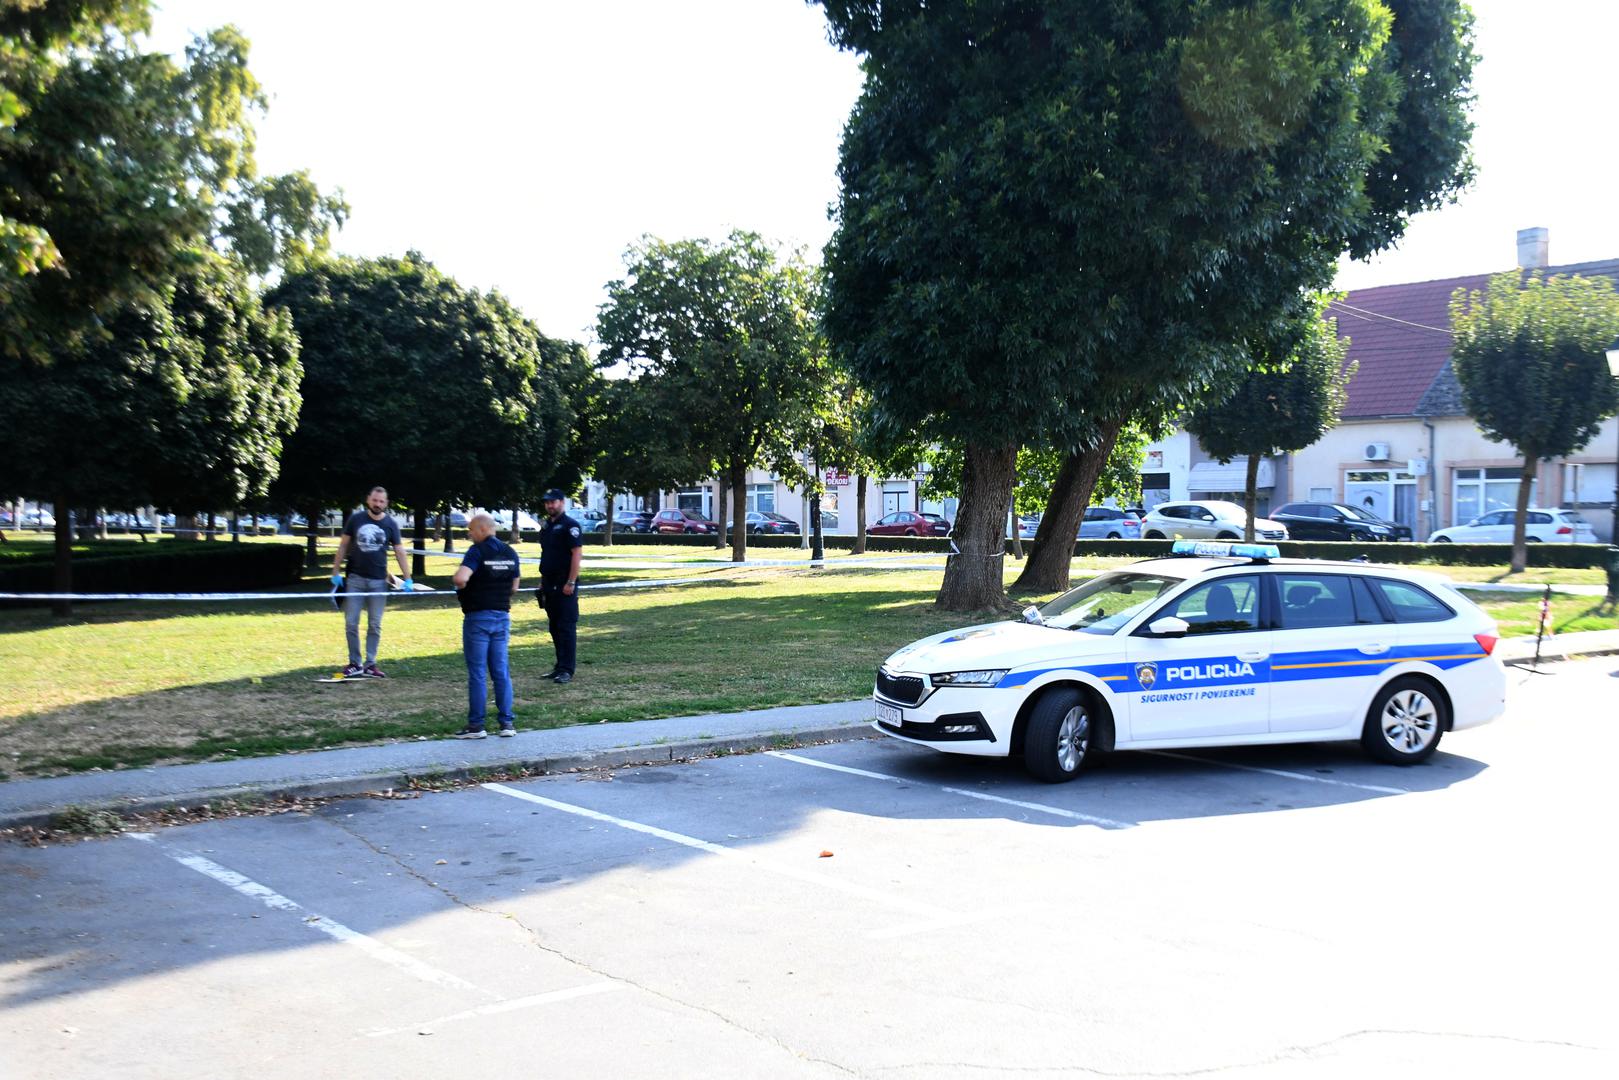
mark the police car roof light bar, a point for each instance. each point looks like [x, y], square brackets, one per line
[1220, 549]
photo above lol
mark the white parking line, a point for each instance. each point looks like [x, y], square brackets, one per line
[1280, 772]
[1041, 808]
[330, 927]
[935, 917]
[502, 1007]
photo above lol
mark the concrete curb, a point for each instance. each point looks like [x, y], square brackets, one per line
[396, 779]
[1554, 655]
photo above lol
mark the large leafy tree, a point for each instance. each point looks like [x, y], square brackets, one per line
[441, 394]
[115, 159]
[637, 447]
[727, 333]
[1290, 397]
[186, 396]
[1057, 215]
[1530, 355]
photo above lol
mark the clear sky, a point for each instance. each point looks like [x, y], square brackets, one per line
[524, 145]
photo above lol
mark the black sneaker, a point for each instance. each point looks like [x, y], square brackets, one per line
[373, 672]
[562, 678]
[507, 731]
[471, 733]
[352, 671]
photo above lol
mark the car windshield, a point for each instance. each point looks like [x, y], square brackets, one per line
[1359, 515]
[1103, 604]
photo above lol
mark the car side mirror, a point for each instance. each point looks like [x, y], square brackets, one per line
[1169, 626]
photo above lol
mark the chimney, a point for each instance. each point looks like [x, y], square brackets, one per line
[1534, 248]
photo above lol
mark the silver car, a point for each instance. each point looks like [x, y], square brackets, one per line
[1110, 523]
[1212, 519]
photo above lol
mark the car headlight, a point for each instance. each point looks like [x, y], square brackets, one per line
[982, 677]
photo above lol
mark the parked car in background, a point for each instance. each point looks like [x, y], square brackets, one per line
[1110, 523]
[525, 521]
[909, 523]
[769, 523]
[633, 521]
[1212, 519]
[1335, 521]
[1542, 525]
[682, 521]
[1027, 526]
[829, 520]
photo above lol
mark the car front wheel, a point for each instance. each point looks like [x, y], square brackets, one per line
[1440, 540]
[1405, 723]
[1153, 535]
[1058, 738]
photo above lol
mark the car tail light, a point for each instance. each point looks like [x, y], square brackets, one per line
[1131, 521]
[1486, 642]
[1565, 531]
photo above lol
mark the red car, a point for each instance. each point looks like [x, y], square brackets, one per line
[682, 521]
[909, 523]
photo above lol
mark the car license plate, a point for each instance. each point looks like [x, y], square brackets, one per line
[890, 715]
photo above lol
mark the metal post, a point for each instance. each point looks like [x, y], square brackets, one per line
[1540, 625]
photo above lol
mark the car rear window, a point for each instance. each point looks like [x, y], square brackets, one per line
[1412, 603]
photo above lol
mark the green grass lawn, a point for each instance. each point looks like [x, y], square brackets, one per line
[134, 684]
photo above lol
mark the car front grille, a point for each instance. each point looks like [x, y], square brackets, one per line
[904, 689]
[1273, 534]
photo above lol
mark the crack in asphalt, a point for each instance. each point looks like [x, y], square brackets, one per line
[1285, 1054]
[537, 942]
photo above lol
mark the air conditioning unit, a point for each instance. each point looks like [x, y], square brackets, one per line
[1377, 451]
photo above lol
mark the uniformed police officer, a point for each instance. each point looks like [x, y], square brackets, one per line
[559, 583]
[485, 582]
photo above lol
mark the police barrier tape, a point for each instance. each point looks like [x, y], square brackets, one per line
[425, 591]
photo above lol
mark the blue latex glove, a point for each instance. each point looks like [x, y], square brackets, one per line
[337, 579]
[407, 586]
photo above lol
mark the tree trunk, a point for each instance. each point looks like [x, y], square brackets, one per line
[739, 531]
[210, 525]
[607, 526]
[860, 515]
[1520, 549]
[62, 578]
[1048, 568]
[972, 576]
[1250, 497]
[449, 529]
[418, 561]
[235, 527]
[1014, 523]
[719, 512]
[101, 523]
[311, 555]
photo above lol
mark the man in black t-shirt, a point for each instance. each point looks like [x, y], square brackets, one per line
[366, 539]
[559, 583]
[484, 582]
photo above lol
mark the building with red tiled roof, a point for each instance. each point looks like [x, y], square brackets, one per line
[1406, 448]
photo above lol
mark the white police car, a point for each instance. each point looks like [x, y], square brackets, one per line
[1218, 645]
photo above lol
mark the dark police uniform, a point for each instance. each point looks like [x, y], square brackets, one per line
[558, 539]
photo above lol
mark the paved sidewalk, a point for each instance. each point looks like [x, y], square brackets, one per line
[1520, 651]
[358, 769]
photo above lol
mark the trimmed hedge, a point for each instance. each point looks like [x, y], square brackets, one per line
[829, 541]
[174, 566]
[1576, 556]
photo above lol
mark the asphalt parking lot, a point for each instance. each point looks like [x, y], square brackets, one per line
[862, 909]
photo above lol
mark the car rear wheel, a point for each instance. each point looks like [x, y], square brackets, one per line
[1228, 536]
[1440, 540]
[1058, 738]
[1405, 723]
[1153, 534]
[1113, 536]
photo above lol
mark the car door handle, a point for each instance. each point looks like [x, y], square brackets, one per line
[1373, 650]
[1253, 657]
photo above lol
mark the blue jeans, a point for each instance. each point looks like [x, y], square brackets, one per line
[484, 635]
